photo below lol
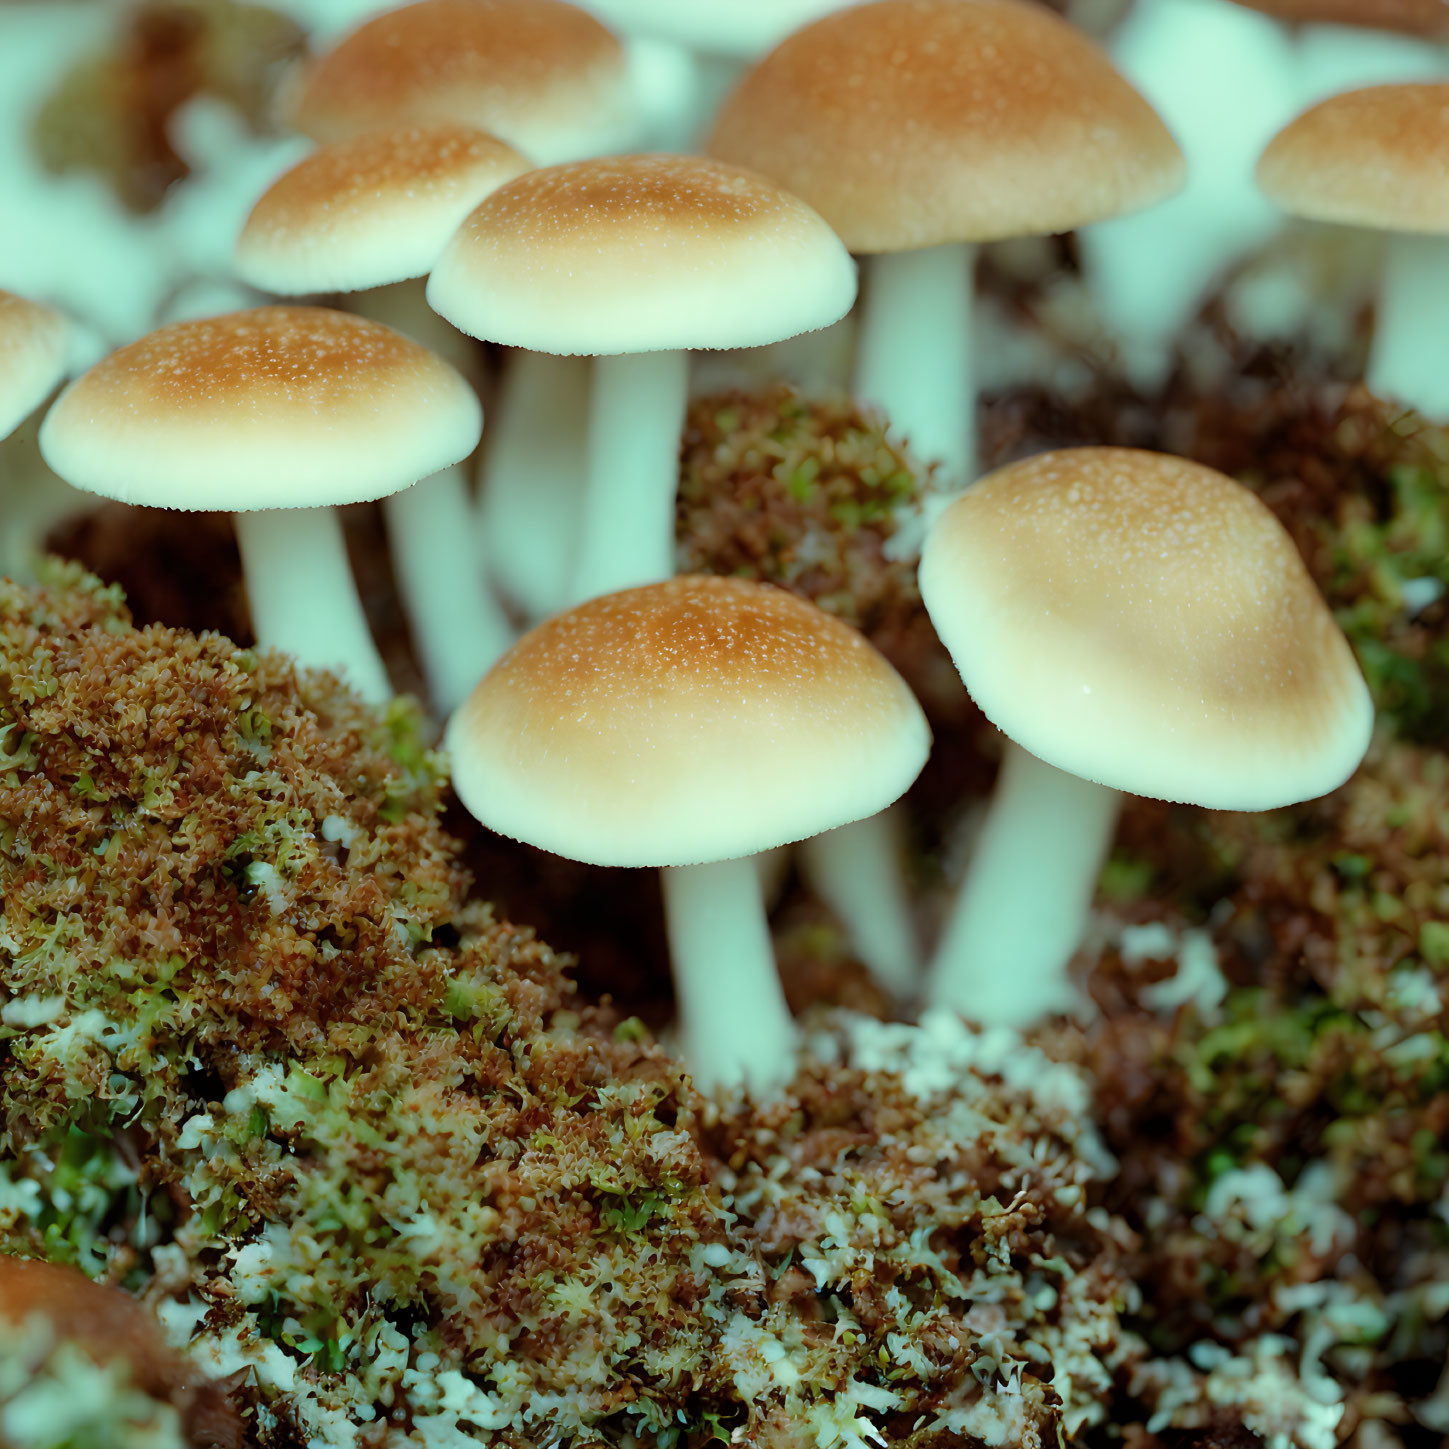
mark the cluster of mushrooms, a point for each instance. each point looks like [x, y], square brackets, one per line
[1129, 621]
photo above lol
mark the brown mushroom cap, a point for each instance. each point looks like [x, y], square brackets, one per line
[1145, 622]
[277, 407]
[912, 123]
[638, 254]
[1412, 17]
[32, 357]
[543, 74]
[372, 210]
[1376, 157]
[694, 720]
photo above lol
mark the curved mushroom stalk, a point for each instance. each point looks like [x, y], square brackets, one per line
[915, 353]
[303, 597]
[458, 627]
[1406, 357]
[1022, 909]
[734, 1021]
[636, 419]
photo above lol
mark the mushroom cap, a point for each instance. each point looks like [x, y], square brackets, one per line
[694, 720]
[1412, 17]
[32, 357]
[912, 123]
[376, 209]
[1377, 157]
[1147, 623]
[276, 407]
[741, 28]
[542, 74]
[641, 254]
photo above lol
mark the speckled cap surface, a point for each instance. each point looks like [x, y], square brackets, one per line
[542, 74]
[1377, 157]
[641, 254]
[694, 720]
[373, 210]
[911, 123]
[1412, 17]
[1147, 623]
[32, 357]
[278, 407]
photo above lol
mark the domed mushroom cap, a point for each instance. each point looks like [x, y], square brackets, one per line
[1376, 157]
[694, 720]
[373, 210]
[911, 123]
[1147, 623]
[641, 254]
[717, 27]
[277, 407]
[544, 75]
[1412, 17]
[32, 357]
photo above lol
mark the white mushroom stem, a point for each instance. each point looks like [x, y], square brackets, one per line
[636, 417]
[458, 628]
[856, 870]
[532, 485]
[915, 353]
[1331, 59]
[303, 597]
[1406, 360]
[1150, 271]
[1023, 906]
[735, 1025]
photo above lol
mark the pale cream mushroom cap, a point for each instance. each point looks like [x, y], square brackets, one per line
[694, 720]
[277, 407]
[1413, 17]
[32, 357]
[372, 210]
[1377, 157]
[641, 254]
[913, 123]
[543, 74]
[1145, 622]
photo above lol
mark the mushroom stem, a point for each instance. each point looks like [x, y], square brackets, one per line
[1406, 356]
[1023, 906]
[636, 417]
[303, 597]
[457, 626]
[856, 870]
[735, 1025]
[915, 353]
[535, 452]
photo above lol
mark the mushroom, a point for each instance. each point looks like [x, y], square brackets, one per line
[278, 414]
[542, 74]
[365, 213]
[110, 1326]
[32, 362]
[918, 128]
[633, 259]
[1130, 622]
[692, 724]
[1375, 158]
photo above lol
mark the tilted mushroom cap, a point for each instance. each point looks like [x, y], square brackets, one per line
[372, 210]
[277, 407]
[1413, 17]
[912, 123]
[689, 721]
[1147, 623]
[544, 75]
[32, 357]
[641, 254]
[1376, 157]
